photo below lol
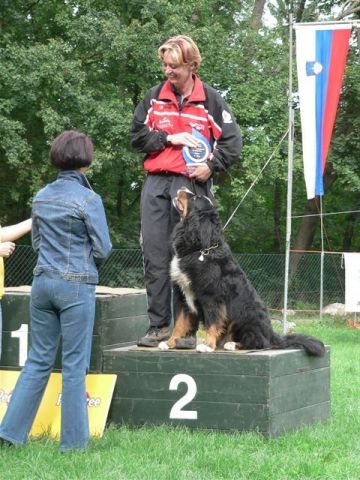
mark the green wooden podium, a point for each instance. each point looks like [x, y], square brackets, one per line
[270, 391]
[119, 321]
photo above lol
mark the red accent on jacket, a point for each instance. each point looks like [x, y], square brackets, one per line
[159, 115]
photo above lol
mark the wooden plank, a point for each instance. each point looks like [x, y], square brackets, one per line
[292, 392]
[211, 415]
[10, 350]
[10, 357]
[133, 359]
[115, 306]
[122, 330]
[95, 357]
[292, 361]
[217, 388]
[16, 308]
[288, 421]
[15, 311]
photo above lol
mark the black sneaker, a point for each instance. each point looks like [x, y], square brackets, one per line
[5, 443]
[186, 343]
[154, 336]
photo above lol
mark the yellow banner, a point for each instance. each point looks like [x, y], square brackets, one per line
[99, 392]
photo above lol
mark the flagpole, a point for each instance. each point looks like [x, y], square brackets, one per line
[329, 22]
[321, 260]
[290, 173]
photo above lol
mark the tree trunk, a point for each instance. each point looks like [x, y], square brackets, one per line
[349, 230]
[257, 13]
[306, 231]
[305, 235]
[119, 198]
[300, 11]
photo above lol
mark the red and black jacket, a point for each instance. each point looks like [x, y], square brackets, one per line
[159, 115]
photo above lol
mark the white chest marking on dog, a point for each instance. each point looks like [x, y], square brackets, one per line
[183, 281]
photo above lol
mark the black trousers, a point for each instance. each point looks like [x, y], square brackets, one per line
[158, 218]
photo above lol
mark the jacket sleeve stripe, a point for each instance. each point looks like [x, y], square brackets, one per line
[217, 130]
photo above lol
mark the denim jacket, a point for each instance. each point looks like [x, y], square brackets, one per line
[69, 230]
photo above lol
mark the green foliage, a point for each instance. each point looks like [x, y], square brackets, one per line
[85, 64]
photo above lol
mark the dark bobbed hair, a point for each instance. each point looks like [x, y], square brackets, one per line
[71, 150]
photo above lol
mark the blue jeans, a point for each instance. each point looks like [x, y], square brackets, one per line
[58, 308]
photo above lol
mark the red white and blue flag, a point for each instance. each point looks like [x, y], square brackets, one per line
[321, 52]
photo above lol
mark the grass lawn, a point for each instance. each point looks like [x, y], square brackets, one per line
[324, 451]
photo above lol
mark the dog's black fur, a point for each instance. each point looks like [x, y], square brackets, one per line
[210, 287]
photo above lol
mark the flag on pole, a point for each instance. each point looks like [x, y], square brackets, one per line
[321, 52]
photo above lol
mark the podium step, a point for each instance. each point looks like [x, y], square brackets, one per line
[270, 391]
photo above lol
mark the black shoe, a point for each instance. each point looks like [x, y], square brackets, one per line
[186, 343]
[5, 443]
[154, 336]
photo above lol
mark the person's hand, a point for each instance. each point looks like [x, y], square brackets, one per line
[199, 171]
[183, 138]
[6, 249]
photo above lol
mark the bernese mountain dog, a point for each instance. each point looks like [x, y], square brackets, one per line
[211, 288]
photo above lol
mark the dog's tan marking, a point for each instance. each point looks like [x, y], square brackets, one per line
[183, 326]
[212, 335]
[218, 330]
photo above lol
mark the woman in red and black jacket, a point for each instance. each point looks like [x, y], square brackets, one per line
[163, 123]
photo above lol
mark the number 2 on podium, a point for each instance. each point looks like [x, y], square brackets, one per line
[176, 411]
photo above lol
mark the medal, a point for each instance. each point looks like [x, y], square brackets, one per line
[197, 154]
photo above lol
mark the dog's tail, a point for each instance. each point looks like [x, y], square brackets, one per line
[310, 344]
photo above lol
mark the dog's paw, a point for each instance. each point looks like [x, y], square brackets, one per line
[204, 348]
[163, 346]
[231, 346]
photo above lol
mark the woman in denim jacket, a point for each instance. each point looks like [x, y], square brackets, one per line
[71, 237]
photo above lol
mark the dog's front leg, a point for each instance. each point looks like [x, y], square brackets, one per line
[215, 329]
[211, 338]
[184, 325]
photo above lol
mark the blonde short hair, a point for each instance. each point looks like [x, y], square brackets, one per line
[182, 49]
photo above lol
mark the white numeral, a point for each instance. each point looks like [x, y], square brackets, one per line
[176, 411]
[22, 335]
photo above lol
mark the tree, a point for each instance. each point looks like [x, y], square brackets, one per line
[85, 64]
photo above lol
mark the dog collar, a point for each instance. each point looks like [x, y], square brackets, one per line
[206, 251]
